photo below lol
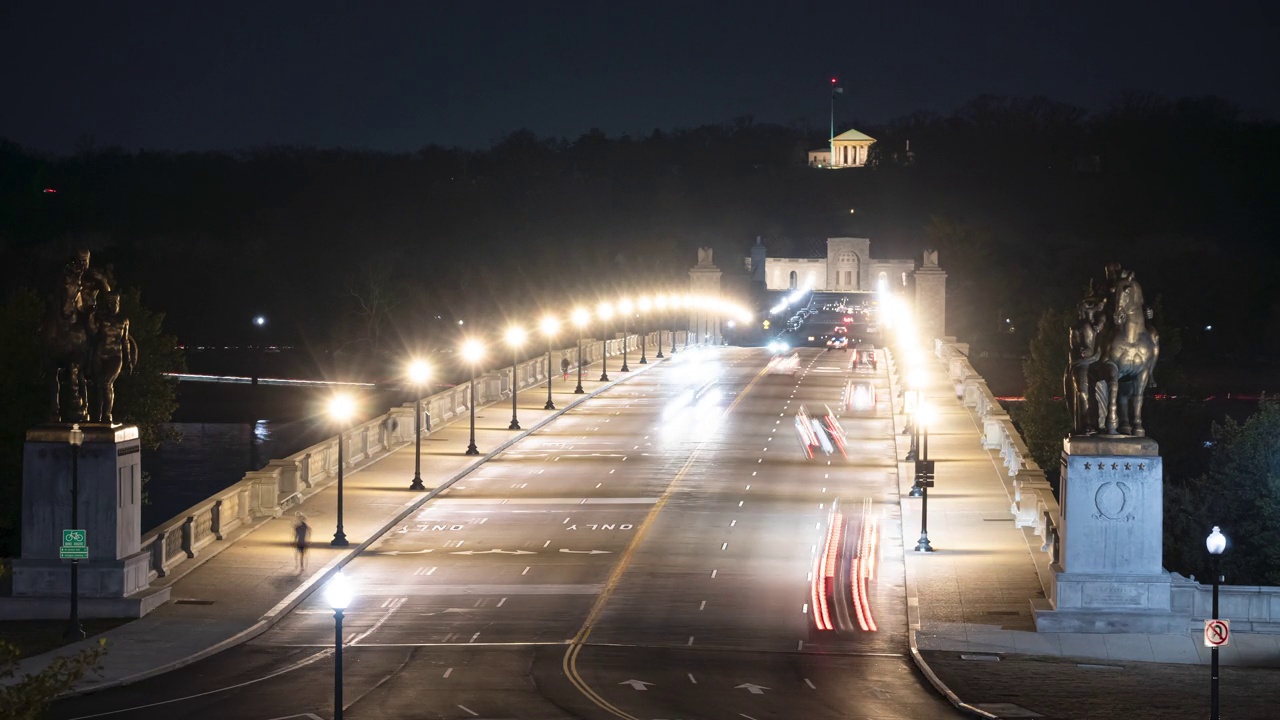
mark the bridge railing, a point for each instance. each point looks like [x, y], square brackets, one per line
[1034, 505]
[286, 482]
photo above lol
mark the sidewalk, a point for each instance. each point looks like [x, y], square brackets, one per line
[969, 602]
[252, 582]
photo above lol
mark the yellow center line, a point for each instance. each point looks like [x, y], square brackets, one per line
[570, 663]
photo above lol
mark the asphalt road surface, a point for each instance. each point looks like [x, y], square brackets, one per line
[660, 552]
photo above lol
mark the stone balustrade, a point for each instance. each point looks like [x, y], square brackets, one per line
[286, 482]
[1033, 503]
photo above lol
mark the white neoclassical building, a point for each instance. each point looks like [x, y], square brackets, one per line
[848, 267]
[848, 149]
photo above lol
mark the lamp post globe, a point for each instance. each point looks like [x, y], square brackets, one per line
[337, 594]
[550, 328]
[644, 305]
[1216, 544]
[605, 313]
[473, 353]
[341, 408]
[515, 338]
[418, 372]
[581, 318]
[75, 438]
[625, 309]
[660, 304]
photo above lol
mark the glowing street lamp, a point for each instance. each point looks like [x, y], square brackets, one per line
[644, 304]
[341, 408]
[75, 438]
[660, 303]
[473, 353]
[418, 372]
[515, 338]
[923, 477]
[550, 327]
[337, 593]
[1216, 544]
[605, 311]
[581, 318]
[626, 309]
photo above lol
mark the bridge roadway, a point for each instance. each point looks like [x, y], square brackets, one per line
[633, 559]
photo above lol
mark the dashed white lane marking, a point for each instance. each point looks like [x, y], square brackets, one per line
[690, 640]
[612, 471]
[703, 605]
[565, 522]
[713, 573]
[799, 645]
[748, 487]
[740, 503]
[502, 602]
[448, 672]
[760, 460]
[753, 473]
[724, 546]
[805, 609]
[473, 713]
[809, 682]
[473, 637]
[598, 485]
[695, 682]
[748, 717]
[549, 542]
[526, 571]
[732, 523]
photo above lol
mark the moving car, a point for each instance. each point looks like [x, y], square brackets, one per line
[838, 342]
[859, 396]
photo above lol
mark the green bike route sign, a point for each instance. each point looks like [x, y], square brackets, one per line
[75, 545]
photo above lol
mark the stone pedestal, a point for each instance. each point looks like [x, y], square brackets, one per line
[704, 282]
[931, 297]
[1109, 575]
[114, 579]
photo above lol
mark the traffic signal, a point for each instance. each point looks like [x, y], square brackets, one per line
[766, 324]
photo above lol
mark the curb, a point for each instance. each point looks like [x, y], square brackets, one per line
[913, 599]
[303, 591]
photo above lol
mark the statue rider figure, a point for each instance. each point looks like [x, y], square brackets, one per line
[1114, 273]
[1083, 341]
[91, 282]
[113, 349]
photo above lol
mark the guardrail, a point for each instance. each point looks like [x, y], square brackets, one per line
[1034, 505]
[287, 482]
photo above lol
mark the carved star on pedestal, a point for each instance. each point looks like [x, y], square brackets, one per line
[1115, 466]
[1102, 466]
[1142, 466]
[1087, 466]
[1126, 466]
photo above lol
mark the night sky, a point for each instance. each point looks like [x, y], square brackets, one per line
[400, 75]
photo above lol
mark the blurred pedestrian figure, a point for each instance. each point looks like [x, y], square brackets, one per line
[564, 368]
[301, 535]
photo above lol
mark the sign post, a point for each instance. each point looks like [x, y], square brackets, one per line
[75, 545]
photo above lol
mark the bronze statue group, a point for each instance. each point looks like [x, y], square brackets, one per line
[1114, 349]
[86, 344]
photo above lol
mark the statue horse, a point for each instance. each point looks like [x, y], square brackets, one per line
[65, 335]
[1128, 352]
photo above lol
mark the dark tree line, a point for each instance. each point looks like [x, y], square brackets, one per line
[1022, 195]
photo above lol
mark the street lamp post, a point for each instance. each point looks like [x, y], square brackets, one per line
[580, 318]
[924, 479]
[605, 311]
[684, 303]
[661, 304]
[644, 306]
[341, 408]
[550, 326]
[337, 593]
[1216, 544]
[515, 338]
[626, 308]
[418, 373]
[472, 352]
[76, 438]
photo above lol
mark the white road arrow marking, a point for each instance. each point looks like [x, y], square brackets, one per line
[493, 552]
[587, 552]
[753, 689]
[636, 684]
[404, 552]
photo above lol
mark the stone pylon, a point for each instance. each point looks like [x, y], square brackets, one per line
[704, 283]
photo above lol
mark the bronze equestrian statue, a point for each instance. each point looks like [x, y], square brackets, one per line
[84, 343]
[1114, 350]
